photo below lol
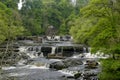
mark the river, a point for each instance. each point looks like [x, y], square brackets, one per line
[37, 66]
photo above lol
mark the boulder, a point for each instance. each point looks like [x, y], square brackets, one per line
[90, 76]
[57, 65]
[71, 62]
[55, 56]
[77, 75]
[66, 63]
[91, 64]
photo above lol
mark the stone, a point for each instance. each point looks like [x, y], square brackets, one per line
[77, 75]
[66, 63]
[57, 65]
[91, 64]
[70, 62]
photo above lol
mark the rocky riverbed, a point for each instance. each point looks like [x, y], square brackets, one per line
[34, 66]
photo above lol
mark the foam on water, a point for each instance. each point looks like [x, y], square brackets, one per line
[54, 60]
[66, 72]
[8, 68]
[97, 55]
[21, 62]
[46, 66]
[32, 54]
[38, 67]
[18, 74]
[22, 49]
[75, 57]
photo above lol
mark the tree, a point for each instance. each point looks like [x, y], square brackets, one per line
[10, 28]
[98, 26]
[6, 22]
[10, 3]
[31, 16]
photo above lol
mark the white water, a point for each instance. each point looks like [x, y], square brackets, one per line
[20, 4]
[67, 72]
[55, 60]
[53, 50]
[22, 49]
[22, 70]
[23, 73]
[18, 74]
[73, 2]
[21, 62]
[46, 66]
[32, 54]
[77, 56]
[8, 68]
[41, 55]
[96, 55]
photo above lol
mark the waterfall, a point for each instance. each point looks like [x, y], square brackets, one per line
[73, 2]
[84, 50]
[47, 65]
[53, 50]
[95, 55]
[20, 4]
[32, 51]
[21, 62]
[22, 49]
[41, 55]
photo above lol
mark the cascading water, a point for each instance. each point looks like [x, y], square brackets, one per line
[84, 50]
[41, 54]
[20, 4]
[53, 50]
[73, 2]
[96, 55]
[33, 51]
[38, 67]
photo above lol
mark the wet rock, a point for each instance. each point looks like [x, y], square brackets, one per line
[72, 77]
[51, 55]
[23, 55]
[55, 56]
[66, 77]
[70, 62]
[77, 75]
[57, 65]
[29, 61]
[90, 76]
[66, 63]
[91, 64]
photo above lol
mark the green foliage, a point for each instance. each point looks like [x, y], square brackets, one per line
[10, 3]
[63, 29]
[37, 19]
[56, 13]
[31, 16]
[9, 28]
[110, 69]
[98, 26]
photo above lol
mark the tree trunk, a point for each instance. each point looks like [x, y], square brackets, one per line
[113, 56]
[4, 53]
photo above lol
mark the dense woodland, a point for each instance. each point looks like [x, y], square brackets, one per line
[91, 22]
